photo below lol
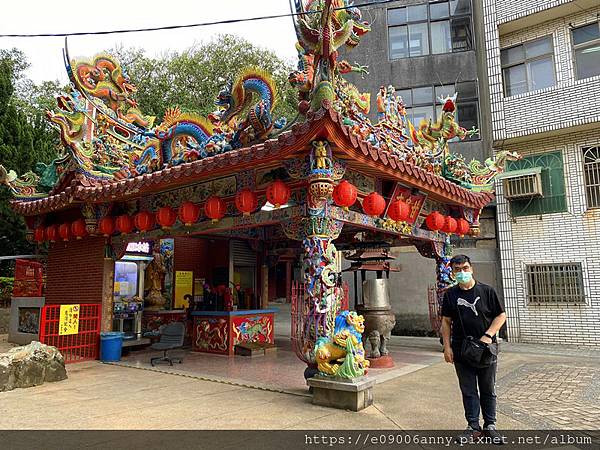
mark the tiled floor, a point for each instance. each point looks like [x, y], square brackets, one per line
[281, 371]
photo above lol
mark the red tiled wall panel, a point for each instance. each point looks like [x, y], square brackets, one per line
[75, 271]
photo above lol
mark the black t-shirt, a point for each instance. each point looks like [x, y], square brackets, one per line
[478, 307]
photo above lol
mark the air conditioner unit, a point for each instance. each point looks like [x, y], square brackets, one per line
[525, 183]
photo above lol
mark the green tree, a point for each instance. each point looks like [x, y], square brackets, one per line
[25, 139]
[192, 79]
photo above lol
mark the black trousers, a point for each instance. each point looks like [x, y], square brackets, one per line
[469, 378]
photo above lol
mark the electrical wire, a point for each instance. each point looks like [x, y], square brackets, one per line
[193, 25]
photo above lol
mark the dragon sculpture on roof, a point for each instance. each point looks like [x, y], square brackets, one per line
[107, 137]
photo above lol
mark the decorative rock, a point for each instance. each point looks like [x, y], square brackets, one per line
[31, 365]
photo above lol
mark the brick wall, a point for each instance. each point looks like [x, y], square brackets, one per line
[572, 236]
[569, 103]
[200, 256]
[508, 10]
[75, 271]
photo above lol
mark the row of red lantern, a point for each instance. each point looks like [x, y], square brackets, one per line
[246, 201]
[438, 222]
[64, 231]
[374, 204]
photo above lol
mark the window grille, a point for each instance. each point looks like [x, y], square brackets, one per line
[554, 283]
[591, 169]
[552, 175]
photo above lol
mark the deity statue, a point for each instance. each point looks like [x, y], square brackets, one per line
[153, 281]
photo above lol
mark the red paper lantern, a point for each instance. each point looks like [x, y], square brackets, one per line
[214, 208]
[39, 234]
[189, 213]
[144, 221]
[52, 233]
[373, 204]
[344, 194]
[462, 227]
[78, 229]
[106, 226]
[398, 211]
[64, 231]
[166, 217]
[278, 193]
[435, 221]
[246, 201]
[124, 224]
[450, 225]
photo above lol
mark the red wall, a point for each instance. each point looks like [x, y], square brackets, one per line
[75, 271]
[200, 256]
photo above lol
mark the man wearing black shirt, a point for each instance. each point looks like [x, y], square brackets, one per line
[482, 315]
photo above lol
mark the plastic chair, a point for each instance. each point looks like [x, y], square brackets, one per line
[171, 338]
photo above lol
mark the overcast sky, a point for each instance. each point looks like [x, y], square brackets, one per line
[59, 16]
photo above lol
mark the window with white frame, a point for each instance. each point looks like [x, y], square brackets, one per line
[528, 67]
[586, 48]
[555, 283]
[591, 170]
[430, 29]
[424, 103]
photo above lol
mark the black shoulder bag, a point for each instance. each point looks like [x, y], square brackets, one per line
[474, 352]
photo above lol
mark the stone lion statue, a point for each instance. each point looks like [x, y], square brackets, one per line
[343, 355]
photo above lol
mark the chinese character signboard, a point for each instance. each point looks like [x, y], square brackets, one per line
[183, 286]
[69, 320]
[413, 200]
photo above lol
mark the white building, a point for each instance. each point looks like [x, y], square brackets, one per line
[544, 72]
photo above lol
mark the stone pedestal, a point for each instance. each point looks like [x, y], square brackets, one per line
[355, 394]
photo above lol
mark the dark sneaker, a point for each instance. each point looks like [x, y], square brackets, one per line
[492, 435]
[469, 436]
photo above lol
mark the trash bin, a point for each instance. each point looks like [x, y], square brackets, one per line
[111, 344]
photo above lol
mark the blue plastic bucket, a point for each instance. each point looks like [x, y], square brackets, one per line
[111, 344]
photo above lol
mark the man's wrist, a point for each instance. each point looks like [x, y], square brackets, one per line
[488, 335]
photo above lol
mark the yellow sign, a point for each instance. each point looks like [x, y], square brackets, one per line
[184, 285]
[69, 320]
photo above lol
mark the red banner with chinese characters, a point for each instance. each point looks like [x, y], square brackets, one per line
[414, 201]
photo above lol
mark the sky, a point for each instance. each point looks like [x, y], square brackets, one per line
[60, 16]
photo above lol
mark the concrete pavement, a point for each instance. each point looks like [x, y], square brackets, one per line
[101, 396]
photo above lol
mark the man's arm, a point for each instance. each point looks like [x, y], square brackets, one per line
[494, 327]
[445, 329]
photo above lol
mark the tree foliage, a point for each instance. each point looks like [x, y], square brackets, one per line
[25, 138]
[192, 79]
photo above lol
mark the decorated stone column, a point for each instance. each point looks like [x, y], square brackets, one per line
[327, 339]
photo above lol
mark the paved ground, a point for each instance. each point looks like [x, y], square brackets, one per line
[535, 391]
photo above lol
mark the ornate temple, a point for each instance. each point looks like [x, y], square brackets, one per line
[225, 196]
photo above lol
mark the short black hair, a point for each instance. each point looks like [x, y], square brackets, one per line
[460, 259]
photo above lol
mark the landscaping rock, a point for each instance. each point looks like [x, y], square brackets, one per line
[31, 365]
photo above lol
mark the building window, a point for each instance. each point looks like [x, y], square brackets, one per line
[554, 283]
[586, 46]
[430, 29]
[528, 67]
[591, 169]
[553, 199]
[423, 103]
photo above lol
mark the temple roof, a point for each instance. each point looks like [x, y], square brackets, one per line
[377, 161]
